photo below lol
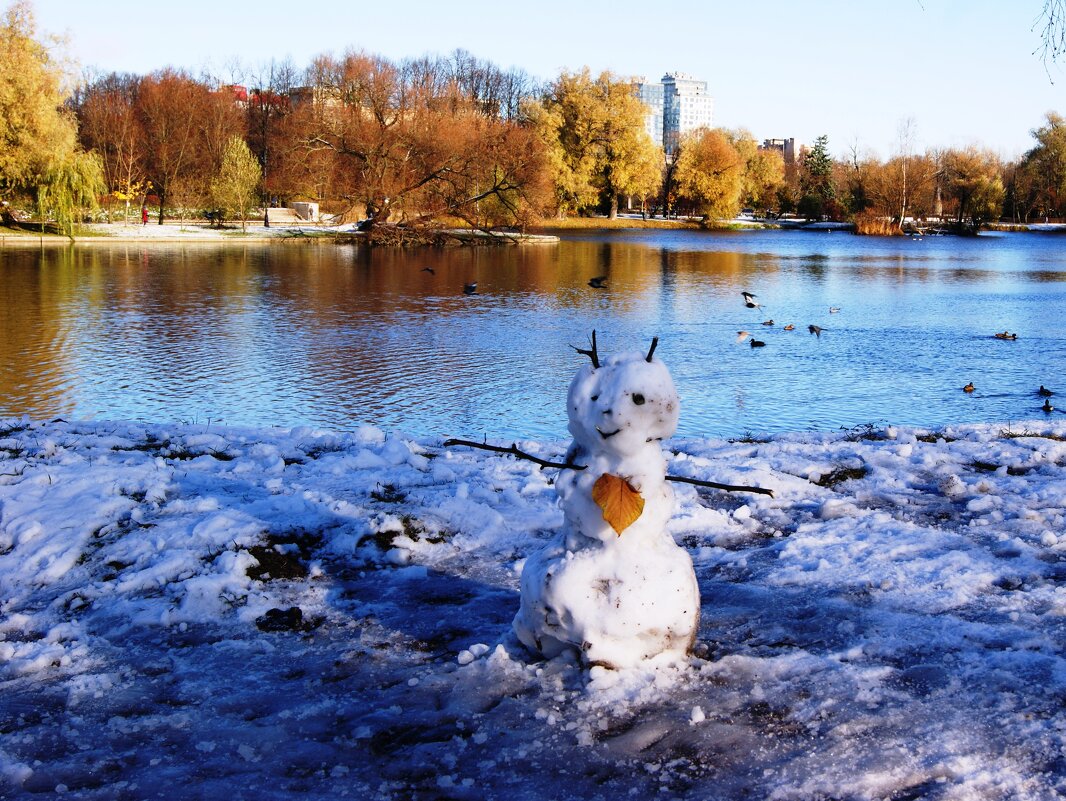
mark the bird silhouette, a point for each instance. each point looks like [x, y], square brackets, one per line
[598, 282]
[768, 322]
[1047, 408]
[789, 327]
[834, 309]
[969, 387]
[758, 343]
[428, 270]
[815, 330]
[470, 289]
[1005, 335]
[1044, 392]
[749, 301]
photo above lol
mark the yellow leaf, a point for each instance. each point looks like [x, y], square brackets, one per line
[621, 504]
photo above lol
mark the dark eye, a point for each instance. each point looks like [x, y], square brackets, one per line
[638, 399]
[595, 397]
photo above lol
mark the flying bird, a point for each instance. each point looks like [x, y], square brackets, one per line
[598, 282]
[749, 301]
[815, 330]
[741, 336]
[470, 289]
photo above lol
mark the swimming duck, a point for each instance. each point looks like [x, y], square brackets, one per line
[598, 282]
[969, 387]
[1006, 335]
[1047, 408]
[768, 322]
[1044, 392]
[470, 289]
[789, 327]
[758, 343]
[834, 309]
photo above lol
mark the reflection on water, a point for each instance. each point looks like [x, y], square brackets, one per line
[290, 334]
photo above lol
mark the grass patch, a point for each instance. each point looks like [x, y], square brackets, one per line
[865, 432]
[933, 439]
[1026, 434]
[387, 493]
[840, 475]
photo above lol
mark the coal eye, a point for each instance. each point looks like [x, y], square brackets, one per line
[638, 399]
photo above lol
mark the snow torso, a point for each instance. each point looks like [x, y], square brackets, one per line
[617, 597]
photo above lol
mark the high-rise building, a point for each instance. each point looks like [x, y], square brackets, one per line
[686, 107]
[677, 104]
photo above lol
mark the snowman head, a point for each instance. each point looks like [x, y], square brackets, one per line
[619, 405]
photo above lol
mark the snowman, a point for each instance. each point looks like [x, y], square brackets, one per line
[613, 586]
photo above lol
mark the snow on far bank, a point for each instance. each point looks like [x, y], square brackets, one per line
[197, 612]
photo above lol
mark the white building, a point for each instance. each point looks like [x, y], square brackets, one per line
[676, 105]
[686, 107]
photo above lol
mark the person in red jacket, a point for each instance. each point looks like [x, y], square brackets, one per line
[144, 215]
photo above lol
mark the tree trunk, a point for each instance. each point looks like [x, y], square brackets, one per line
[614, 206]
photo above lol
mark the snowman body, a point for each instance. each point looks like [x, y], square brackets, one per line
[615, 597]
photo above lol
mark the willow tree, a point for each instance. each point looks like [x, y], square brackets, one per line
[710, 173]
[974, 186]
[40, 160]
[598, 145]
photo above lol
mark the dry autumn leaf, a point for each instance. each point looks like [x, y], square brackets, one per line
[621, 504]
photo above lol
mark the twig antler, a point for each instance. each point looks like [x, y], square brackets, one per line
[590, 353]
[654, 344]
[514, 451]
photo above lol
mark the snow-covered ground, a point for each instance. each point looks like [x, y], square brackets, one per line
[889, 625]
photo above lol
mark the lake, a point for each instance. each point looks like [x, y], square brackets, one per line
[336, 336]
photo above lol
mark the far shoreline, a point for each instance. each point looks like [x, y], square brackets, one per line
[545, 232]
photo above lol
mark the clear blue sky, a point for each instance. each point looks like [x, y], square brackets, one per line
[966, 72]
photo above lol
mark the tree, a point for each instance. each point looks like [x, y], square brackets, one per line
[710, 173]
[403, 141]
[186, 126]
[763, 173]
[598, 147]
[110, 127]
[234, 188]
[816, 180]
[974, 186]
[39, 154]
[1044, 167]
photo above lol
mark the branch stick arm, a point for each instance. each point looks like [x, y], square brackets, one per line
[514, 451]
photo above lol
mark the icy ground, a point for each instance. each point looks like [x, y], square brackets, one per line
[890, 625]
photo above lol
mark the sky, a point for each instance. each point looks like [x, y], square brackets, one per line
[964, 72]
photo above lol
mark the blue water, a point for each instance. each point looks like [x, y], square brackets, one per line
[291, 334]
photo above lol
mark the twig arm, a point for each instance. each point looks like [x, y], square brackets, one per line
[514, 451]
[715, 485]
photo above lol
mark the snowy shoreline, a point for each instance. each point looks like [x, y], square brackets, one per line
[890, 624]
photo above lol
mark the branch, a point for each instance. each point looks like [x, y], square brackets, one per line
[514, 451]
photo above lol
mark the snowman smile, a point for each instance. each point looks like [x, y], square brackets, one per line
[607, 435]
